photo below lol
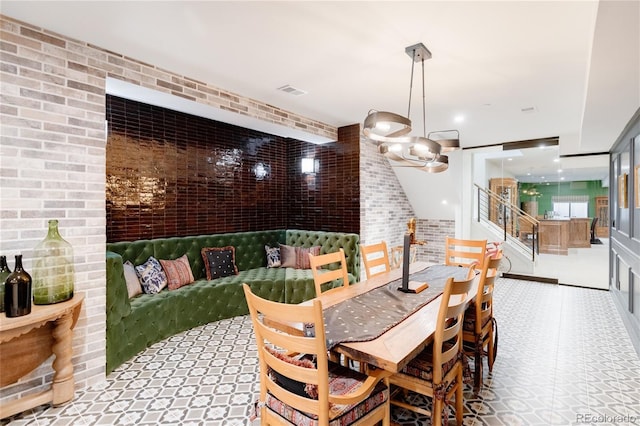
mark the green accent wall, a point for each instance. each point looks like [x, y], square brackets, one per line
[592, 188]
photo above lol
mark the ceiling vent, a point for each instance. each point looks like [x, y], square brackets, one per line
[528, 110]
[292, 90]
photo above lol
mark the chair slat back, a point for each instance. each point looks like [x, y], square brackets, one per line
[447, 339]
[484, 297]
[465, 252]
[374, 257]
[323, 276]
[266, 315]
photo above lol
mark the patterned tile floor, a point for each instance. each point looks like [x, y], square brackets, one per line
[564, 359]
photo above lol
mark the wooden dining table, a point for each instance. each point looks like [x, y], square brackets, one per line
[395, 347]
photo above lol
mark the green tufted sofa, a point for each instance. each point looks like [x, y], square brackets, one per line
[133, 325]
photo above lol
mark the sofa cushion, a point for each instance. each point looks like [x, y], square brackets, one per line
[152, 277]
[133, 283]
[297, 257]
[178, 272]
[219, 261]
[287, 256]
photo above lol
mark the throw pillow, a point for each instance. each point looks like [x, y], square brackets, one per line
[287, 256]
[151, 276]
[302, 256]
[133, 283]
[178, 272]
[297, 257]
[219, 261]
[273, 257]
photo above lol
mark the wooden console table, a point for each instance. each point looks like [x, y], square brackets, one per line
[27, 341]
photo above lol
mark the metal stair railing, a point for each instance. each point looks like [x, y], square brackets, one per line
[517, 226]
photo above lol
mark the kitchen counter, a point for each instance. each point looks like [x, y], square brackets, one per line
[558, 235]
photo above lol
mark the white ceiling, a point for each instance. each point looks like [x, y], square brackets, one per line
[576, 62]
[544, 165]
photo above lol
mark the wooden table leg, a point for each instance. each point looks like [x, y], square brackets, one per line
[63, 384]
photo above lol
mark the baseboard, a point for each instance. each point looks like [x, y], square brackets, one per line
[530, 278]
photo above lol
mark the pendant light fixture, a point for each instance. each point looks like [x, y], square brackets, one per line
[390, 131]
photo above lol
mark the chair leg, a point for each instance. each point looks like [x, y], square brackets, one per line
[491, 356]
[459, 398]
[436, 412]
[477, 374]
[387, 416]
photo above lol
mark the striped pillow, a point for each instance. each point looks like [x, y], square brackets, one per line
[178, 272]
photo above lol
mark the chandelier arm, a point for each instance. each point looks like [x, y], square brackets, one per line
[390, 131]
[413, 62]
[424, 108]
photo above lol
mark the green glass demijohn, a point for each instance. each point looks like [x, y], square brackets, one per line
[53, 272]
[4, 273]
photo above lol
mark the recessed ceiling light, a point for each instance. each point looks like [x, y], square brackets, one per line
[556, 160]
[509, 159]
[559, 170]
[458, 118]
[562, 178]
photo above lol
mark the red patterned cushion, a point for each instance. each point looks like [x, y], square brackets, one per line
[297, 257]
[302, 256]
[303, 389]
[470, 319]
[178, 272]
[341, 381]
[422, 365]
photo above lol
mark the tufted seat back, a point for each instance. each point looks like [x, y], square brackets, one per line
[133, 325]
[330, 242]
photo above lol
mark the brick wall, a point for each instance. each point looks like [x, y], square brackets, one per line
[52, 160]
[385, 209]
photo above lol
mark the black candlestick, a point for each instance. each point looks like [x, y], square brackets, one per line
[405, 264]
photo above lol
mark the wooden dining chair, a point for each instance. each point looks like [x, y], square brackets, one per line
[478, 321]
[436, 372]
[465, 252]
[298, 384]
[375, 258]
[322, 274]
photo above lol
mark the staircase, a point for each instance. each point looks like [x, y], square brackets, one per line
[515, 227]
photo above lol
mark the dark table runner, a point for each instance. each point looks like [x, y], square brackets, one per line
[369, 315]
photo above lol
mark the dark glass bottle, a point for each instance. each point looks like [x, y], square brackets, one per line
[4, 273]
[17, 291]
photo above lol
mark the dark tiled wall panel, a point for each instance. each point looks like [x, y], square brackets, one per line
[173, 174]
[329, 199]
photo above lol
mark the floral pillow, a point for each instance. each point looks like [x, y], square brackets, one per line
[273, 257]
[151, 275]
